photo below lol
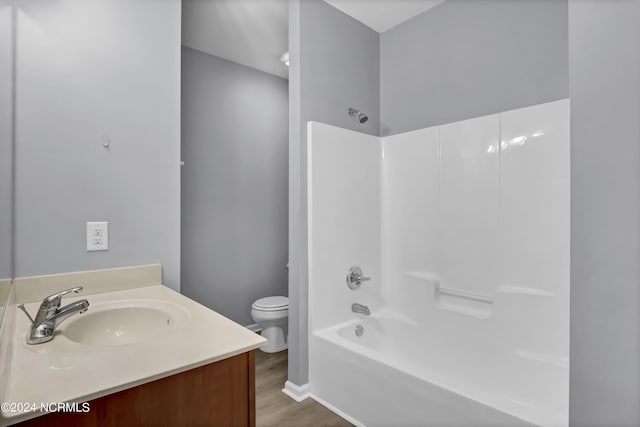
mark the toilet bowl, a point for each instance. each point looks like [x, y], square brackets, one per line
[272, 315]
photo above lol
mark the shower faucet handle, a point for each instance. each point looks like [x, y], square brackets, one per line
[355, 277]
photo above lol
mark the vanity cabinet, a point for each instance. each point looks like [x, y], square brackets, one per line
[219, 394]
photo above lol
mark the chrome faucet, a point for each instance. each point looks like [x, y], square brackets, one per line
[50, 315]
[355, 277]
[359, 308]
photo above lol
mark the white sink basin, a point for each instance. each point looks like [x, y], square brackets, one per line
[125, 322]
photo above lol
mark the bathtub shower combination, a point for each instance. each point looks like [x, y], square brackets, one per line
[463, 230]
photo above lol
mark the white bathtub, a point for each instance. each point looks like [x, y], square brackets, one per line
[463, 229]
[398, 374]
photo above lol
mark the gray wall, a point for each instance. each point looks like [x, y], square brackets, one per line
[469, 58]
[605, 219]
[6, 138]
[234, 184]
[87, 68]
[334, 65]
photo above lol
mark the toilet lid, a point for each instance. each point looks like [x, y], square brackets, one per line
[272, 303]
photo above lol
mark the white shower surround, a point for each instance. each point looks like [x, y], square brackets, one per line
[464, 229]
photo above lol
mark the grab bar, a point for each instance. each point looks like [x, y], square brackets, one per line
[464, 294]
[463, 302]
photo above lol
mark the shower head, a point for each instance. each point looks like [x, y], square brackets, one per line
[362, 117]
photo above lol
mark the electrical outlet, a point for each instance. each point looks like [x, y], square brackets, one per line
[97, 236]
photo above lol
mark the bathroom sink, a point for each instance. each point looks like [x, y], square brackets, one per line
[125, 322]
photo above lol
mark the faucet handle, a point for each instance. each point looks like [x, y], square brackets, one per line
[21, 307]
[55, 299]
[355, 277]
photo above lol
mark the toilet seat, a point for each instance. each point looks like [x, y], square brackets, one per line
[271, 304]
[271, 315]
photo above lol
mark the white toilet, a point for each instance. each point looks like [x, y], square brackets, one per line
[272, 315]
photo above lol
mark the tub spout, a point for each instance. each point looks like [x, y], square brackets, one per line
[359, 308]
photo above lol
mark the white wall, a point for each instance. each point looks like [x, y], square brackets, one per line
[88, 68]
[344, 221]
[533, 256]
[468, 204]
[410, 218]
[605, 216]
[482, 206]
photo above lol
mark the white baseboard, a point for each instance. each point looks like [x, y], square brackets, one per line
[297, 393]
[335, 410]
[254, 327]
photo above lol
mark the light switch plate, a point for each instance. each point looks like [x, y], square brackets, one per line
[97, 236]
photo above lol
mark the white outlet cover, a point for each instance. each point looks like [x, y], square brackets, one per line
[97, 236]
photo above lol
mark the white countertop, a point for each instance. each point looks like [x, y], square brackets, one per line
[66, 371]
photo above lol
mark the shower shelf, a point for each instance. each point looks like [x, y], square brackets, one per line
[427, 277]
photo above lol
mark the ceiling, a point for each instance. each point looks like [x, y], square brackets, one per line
[382, 15]
[255, 32]
[250, 32]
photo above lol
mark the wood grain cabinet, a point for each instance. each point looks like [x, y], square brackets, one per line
[219, 394]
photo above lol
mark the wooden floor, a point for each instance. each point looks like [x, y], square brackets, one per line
[276, 409]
